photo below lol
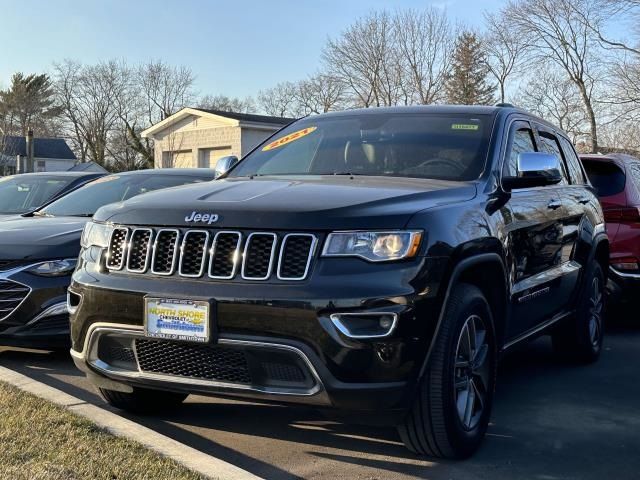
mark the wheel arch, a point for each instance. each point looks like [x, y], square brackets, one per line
[484, 271]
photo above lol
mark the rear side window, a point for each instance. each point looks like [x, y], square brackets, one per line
[607, 178]
[575, 172]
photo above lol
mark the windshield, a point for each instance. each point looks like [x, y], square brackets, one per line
[85, 201]
[21, 194]
[449, 147]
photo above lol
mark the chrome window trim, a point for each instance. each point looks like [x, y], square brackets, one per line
[124, 248]
[311, 254]
[204, 253]
[347, 333]
[175, 251]
[271, 257]
[147, 256]
[238, 256]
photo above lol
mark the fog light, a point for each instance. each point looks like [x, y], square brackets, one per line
[364, 325]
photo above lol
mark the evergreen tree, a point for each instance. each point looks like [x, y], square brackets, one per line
[29, 103]
[467, 83]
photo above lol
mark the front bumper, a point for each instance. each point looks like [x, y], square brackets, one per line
[36, 314]
[623, 285]
[264, 321]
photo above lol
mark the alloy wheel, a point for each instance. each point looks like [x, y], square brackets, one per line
[596, 305]
[471, 372]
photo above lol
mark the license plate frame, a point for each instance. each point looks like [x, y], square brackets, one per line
[192, 321]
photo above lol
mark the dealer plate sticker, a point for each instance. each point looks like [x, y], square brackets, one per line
[175, 319]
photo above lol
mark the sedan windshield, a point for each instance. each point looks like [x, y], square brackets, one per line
[85, 201]
[448, 147]
[21, 194]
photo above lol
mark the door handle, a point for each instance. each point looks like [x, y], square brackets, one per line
[554, 204]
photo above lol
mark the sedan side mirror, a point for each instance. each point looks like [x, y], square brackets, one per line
[225, 164]
[535, 169]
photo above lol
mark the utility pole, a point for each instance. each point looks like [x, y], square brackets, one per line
[29, 151]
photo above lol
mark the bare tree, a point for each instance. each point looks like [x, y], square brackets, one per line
[88, 95]
[227, 104]
[165, 88]
[604, 10]
[365, 58]
[505, 51]
[425, 40]
[552, 96]
[280, 101]
[320, 93]
[554, 31]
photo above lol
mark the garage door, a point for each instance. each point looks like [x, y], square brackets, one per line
[183, 159]
[210, 156]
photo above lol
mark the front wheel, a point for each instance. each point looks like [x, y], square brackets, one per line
[451, 411]
[143, 401]
[580, 338]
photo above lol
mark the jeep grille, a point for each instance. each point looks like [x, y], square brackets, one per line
[222, 255]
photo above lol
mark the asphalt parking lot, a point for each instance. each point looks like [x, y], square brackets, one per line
[551, 421]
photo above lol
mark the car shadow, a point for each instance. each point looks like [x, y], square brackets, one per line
[550, 420]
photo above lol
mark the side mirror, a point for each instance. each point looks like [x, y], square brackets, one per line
[225, 164]
[535, 169]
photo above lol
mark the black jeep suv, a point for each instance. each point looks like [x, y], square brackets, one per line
[374, 261]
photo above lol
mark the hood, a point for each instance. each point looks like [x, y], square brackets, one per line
[300, 203]
[40, 238]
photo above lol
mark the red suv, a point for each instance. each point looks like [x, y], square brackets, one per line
[616, 178]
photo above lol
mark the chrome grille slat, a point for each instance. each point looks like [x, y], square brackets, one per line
[165, 251]
[224, 254]
[117, 248]
[198, 241]
[139, 250]
[222, 247]
[11, 304]
[295, 257]
[258, 243]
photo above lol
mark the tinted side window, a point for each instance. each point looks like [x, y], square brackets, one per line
[522, 143]
[575, 171]
[607, 178]
[549, 143]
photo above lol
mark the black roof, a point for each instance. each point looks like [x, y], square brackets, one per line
[249, 117]
[42, 147]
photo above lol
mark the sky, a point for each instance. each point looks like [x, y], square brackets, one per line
[233, 47]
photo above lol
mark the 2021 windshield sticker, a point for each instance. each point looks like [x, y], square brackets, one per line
[289, 138]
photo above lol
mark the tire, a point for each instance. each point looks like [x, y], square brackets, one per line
[435, 425]
[143, 401]
[580, 338]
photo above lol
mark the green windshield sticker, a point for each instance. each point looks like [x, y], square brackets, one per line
[464, 126]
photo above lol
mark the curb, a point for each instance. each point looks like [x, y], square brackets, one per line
[191, 458]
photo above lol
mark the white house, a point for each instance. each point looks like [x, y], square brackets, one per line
[194, 137]
[49, 154]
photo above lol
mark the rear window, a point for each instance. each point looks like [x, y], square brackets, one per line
[607, 178]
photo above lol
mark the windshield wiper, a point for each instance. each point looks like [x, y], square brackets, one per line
[83, 215]
[37, 214]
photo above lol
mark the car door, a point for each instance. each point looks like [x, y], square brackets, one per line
[533, 232]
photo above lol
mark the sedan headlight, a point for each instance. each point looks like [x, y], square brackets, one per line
[373, 246]
[96, 235]
[53, 268]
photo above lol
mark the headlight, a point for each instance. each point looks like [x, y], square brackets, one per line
[373, 246]
[53, 268]
[96, 235]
